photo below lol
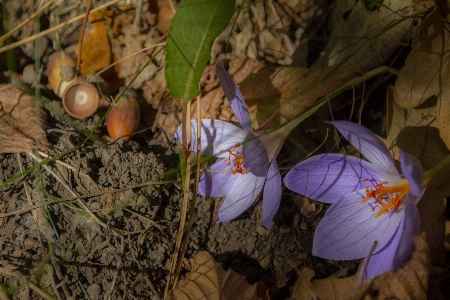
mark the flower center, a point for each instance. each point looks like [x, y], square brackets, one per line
[387, 198]
[238, 161]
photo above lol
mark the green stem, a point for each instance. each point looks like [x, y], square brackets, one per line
[429, 174]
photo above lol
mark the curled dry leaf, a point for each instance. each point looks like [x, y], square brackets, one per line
[166, 10]
[415, 130]
[283, 91]
[290, 90]
[409, 282]
[96, 53]
[209, 281]
[363, 37]
[426, 73]
[19, 126]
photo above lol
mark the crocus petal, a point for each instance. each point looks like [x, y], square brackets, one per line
[241, 196]
[219, 180]
[411, 229]
[216, 137]
[349, 229]
[399, 249]
[256, 160]
[272, 194]
[329, 177]
[235, 98]
[368, 144]
[383, 260]
[412, 169]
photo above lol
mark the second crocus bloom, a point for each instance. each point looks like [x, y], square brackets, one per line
[374, 213]
[247, 159]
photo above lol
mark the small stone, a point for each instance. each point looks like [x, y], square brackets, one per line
[262, 230]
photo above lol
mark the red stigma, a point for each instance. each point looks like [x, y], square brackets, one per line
[239, 159]
[387, 198]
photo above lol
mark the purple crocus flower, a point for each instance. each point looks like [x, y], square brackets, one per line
[247, 159]
[374, 213]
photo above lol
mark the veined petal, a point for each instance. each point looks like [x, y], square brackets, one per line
[273, 141]
[329, 177]
[216, 137]
[219, 181]
[349, 229]
[410, 230]
[383, 260]
[272, 194]
[399, 249]
[243, 193]
[256, 160]
[368, 144]
[235, 98]
[412, 169]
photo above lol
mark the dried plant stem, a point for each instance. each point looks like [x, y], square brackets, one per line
[79, 201]
[50, 30]
[176, 259]
[69, 167]
[39, 231]
[27, 283]
[187, 231]
[80, 39]
[50, 202]
[130, 55]
[30, 18]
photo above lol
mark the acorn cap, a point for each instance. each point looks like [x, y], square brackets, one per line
[80, 99]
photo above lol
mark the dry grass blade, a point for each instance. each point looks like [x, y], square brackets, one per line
[50, 30]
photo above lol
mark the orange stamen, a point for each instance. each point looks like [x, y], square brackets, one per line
[387, 198]
[239, 159]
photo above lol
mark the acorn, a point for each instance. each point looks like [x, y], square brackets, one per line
[80, 99]
[124, 120]
[60, 71]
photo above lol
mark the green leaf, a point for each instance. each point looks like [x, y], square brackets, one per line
[194, 27]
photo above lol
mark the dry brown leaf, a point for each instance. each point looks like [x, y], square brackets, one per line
[165, 15]
[273, 89]
[426, 73]
[209, 281]
[303, 204]
[363, 37]
[415, 131]
[96, 53]
[19, 126]
[409, 282]
[265, 90]
[422, 6]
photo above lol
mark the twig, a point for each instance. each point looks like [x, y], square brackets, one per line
[39, 231]
[70, 167]
[30, 18]
[130, 55]
[26, 209]
[22, 278]
[187, 232]
[79, 201]
[186, 116]
[80, 39]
